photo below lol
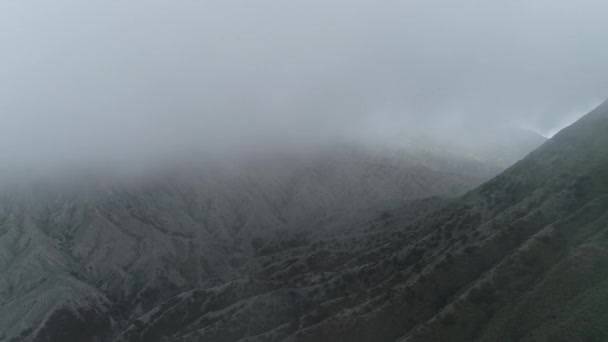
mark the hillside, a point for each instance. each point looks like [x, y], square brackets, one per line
[98, 251]
[523, 257]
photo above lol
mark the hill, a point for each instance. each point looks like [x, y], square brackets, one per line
[90, 256]
[522, 257]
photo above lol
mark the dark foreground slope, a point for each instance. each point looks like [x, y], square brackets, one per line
[523, 257]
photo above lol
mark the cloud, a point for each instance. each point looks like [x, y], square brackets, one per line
[123, 79]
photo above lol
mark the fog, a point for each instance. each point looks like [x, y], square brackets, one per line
[115, 80]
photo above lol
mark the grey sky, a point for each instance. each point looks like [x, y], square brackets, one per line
[115, 78]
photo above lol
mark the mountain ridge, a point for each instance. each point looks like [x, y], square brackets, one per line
[449, 274]
[421, 270]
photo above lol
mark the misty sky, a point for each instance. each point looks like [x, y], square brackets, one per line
[117, 79]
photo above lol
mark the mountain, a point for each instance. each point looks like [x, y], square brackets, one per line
[92, 258]
[523, 257]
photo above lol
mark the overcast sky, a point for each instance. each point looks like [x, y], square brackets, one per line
[119, 78]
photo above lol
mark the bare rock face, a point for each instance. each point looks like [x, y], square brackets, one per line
[292, 247]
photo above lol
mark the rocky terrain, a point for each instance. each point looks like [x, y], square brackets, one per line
[346, 244]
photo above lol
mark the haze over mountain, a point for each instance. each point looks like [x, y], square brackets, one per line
[162, 261]
[523, 257]
[303, 170]
[117, 83]
[95, 249]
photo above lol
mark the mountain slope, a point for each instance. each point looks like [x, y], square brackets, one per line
[87, 256]
[523, 257]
